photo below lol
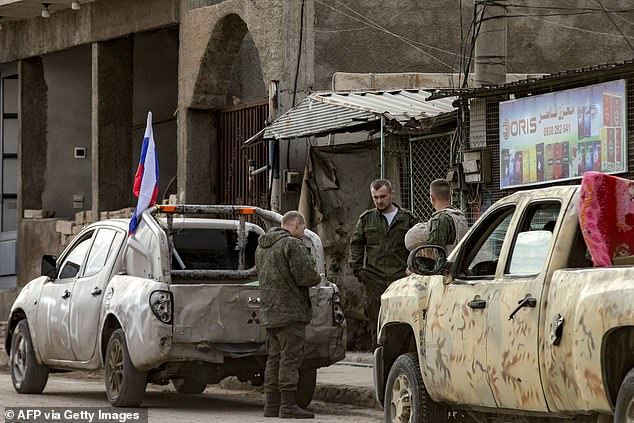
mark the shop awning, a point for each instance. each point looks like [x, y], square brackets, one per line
[326, 112]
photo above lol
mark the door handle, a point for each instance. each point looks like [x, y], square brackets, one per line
[66, 294]
[96, 291]
[477, 304]
[525, 302]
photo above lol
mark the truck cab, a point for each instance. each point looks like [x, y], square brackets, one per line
[515, 321]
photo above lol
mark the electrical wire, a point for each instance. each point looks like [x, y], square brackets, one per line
[299, 58]
[574, 28]
[377, 26]
[476, 33]
[521, 6]
[609, 15]
[341, 30]
[299, 49]
[624, 19]
[381, 28]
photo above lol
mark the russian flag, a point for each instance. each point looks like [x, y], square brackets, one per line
[147, 175]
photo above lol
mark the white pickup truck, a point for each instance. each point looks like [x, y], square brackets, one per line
[176, 301]
[515, 325]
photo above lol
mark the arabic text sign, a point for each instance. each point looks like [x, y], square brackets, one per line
[560, 136]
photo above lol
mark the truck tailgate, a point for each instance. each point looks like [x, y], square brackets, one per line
[224, 314]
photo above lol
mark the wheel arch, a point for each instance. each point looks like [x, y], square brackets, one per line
[397, 338]
[16, 315]
[617, 359]
[110, 324]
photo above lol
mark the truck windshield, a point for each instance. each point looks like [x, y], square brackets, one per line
[212, 249]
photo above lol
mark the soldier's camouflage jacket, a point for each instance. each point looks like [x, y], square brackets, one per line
[285, 270]
[381, 247]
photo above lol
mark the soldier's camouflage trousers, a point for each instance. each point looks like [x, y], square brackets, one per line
[285, 348]
[374, 287]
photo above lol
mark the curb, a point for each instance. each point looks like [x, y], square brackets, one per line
[342, 394]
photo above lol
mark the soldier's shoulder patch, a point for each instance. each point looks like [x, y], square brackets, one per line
[365, 213]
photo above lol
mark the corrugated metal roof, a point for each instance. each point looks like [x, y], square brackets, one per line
[333, 111]
[587, 72]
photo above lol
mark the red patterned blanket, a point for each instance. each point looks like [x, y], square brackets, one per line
[606, 216]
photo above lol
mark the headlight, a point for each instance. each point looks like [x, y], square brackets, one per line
[161, 303]
[337, 309]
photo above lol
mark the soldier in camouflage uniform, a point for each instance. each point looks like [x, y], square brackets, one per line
[378, 255]
[285, 270]
[447, 225]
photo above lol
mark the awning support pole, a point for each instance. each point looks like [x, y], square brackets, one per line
[274, 148]
[382, 147]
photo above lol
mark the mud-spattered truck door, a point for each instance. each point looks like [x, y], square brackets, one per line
[489, 313]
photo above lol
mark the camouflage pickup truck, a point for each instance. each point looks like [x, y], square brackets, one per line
[176, 301]
[515, 325]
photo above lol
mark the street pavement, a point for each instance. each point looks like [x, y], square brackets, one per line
[348, 382]
[165, 405]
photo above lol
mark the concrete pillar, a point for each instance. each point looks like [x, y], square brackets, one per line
[490, 48]
[112, 143]
[198, 161]
[32, 109]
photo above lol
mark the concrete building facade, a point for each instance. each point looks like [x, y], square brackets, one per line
[78, 85]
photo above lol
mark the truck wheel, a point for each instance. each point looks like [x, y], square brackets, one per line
[406, 399]
[189, 385]
[306, 386]
[125, 385]
[27, 375]
[624, 412]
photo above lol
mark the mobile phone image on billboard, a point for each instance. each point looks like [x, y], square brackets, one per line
[519, 168]
[565, 169]
[618, 150]
[596, 160]
[610, 167]
[505, 167]
[549, 163]
[540, 161]
[557, 161]
[607, 109]
[581, 119]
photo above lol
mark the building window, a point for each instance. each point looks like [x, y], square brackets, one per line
[8, 177]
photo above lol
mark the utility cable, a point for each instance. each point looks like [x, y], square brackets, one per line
[382, 29]
[574, 28]
[592, 9]
[609, 15]
[299, 49]
[299, 59]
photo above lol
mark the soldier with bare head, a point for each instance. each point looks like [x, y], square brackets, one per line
[377, 252]
[446, 226]
[285, 270]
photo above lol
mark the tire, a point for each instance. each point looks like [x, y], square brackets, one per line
[189, 385]
[406, 399]
[27, 375]
[306, 386]
[624, 411]
[125, 385]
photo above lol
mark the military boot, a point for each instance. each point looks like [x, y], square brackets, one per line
[290, 409]
[272, 404]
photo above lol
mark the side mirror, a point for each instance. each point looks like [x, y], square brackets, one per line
[427, 260]
[49, 266]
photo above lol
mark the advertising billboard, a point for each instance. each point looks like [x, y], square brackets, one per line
[560, 136]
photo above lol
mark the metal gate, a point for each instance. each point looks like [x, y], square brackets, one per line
[236, 125]
[430, 158]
